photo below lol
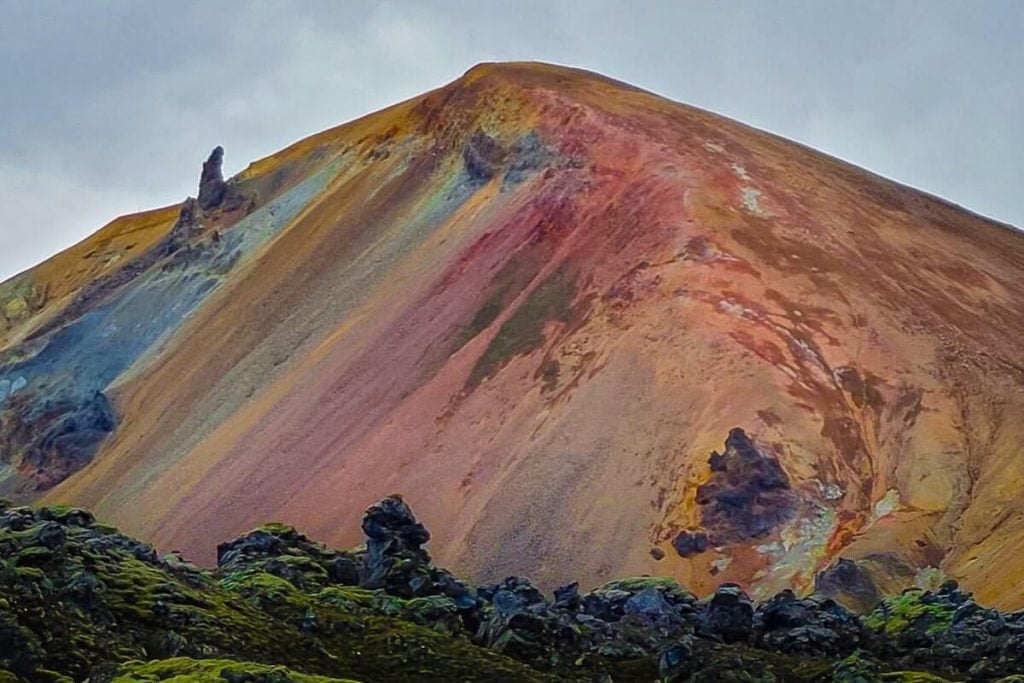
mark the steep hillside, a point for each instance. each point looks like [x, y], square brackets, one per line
[536, 301]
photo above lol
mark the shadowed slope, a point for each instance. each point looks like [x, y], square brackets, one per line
[536, 300]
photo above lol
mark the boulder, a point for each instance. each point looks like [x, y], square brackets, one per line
[395, 559]
[726, 615]
[814, 626]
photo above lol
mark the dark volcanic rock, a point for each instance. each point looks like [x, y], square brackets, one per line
[80, 599]
[690, 543]
[521, 623]
[212, 187]
[748, 494]
[849, 583]
[815, 626]
[395, 558]
[483, 156]
[50, 438]
[568, 596]
[641, 595]
[727, 614]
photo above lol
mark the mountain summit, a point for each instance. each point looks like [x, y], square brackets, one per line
[587, 331]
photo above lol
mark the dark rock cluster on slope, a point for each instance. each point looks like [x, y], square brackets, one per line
[215, 195]
[747, 496]
[78, 601]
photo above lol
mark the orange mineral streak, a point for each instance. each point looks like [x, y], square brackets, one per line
[542, 363]
[47, 288]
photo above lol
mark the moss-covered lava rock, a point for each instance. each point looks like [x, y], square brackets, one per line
[81, 601]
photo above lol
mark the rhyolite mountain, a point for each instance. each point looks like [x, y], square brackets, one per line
[586, 331]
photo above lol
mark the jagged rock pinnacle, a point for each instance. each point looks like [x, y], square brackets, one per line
[211, 183]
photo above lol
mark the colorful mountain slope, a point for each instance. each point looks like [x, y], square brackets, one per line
[535, 301]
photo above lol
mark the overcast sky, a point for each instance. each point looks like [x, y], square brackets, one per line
[110, 107]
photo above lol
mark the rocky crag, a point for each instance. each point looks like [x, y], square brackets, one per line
[80, 601]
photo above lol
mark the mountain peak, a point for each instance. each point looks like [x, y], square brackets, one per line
[534, 301]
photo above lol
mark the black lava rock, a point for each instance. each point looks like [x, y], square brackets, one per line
[727, 614]
[690, 543]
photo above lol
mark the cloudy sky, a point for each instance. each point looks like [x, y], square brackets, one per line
[109, 107]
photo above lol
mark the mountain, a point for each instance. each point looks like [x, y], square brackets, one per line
[586, 331]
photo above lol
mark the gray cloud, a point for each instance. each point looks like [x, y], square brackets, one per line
[109, 108]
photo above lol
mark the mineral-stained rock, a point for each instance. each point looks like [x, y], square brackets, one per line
[747, 496]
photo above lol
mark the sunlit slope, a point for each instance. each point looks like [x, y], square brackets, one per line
[535, 301]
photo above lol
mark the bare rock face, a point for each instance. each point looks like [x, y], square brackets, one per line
[747, 497]
[212, 187]
[395, 557]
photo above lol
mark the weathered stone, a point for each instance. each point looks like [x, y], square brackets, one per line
[211, 182]
[690, 543]
[806, 626]
[395, 558]
[747, 495]
[727, 614]
[850, 584]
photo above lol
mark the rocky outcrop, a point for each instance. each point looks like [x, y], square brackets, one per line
[45, 439]
[395, 558]
[850, 583]
[78, 601]
[814, 626]
[212, 187]
[747, 496]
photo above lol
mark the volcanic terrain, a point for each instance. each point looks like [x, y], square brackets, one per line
[586, 331]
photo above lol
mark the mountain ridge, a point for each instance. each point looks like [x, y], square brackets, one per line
[536, 294]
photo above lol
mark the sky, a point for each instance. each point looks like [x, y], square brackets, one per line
[110, 107]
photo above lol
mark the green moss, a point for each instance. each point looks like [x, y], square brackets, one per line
[486, 315]
[103, 600]
[524, 330]
[896, 614]
[349, 597]
[362, 601]
[33, 556]
[548, 373]
[182, 669]
[102, 603]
